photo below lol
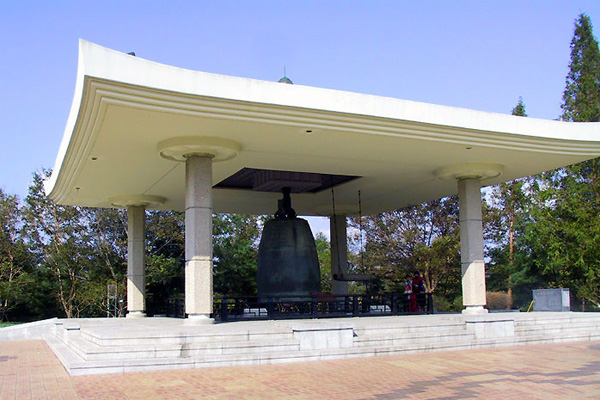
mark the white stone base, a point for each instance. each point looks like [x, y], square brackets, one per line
[136, 314]
[199, 319]
[324, 338]
[490, 328]
[147, 344]
[474, 310]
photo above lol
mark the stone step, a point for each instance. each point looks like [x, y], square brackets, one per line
[124, 346]
[559, 327]
[105, 352]
[557, 321]
[180, 338]
[92, 351]
[551, 324]
[552, 338]
[487, 343]
[137, 365]
[409, 339]
[554, 319]
[557, 331]
[78, 366]
[404, 329]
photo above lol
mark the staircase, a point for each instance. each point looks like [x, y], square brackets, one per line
[115, 346]
[99, 346]
[557, 327]
[419, 335]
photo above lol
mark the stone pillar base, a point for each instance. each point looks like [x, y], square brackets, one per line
[474, 310]
[198, 287]
[136, 314]
[199, 319]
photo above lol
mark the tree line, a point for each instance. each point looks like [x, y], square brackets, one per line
[541, 231]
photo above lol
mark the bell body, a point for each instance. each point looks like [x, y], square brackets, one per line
[287, 259]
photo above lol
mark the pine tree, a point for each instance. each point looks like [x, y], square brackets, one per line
[581, 99]
[519, 109]
[565, 234]
[580, 187]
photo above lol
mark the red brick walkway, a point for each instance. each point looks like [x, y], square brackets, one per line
[29, 370]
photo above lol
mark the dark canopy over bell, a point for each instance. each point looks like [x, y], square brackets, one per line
[287, 256]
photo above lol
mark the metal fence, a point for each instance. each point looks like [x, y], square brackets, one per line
[176, 307]
[321, 305]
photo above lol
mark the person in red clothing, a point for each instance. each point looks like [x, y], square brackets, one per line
[418, 289]
[411, 298]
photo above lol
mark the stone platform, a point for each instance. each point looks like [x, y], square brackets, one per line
[99, 346]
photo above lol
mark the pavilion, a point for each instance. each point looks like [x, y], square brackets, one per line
[142, 135]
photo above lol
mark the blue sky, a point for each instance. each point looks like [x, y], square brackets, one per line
[474, 54]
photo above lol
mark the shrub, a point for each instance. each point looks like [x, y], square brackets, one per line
[498, 301]
[441, 304]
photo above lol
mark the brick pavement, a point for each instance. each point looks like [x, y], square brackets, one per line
[29, 370]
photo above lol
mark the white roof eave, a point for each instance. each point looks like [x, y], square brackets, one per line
[97, 63]
[112, 65]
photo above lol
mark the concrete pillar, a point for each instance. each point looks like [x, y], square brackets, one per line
[198, 237]
[198, 153]
[339, 252]
[136, 275]
[471, 246]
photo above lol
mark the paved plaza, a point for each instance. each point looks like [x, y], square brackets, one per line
[29, 370]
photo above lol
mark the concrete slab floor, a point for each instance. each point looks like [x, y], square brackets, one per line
[29, 370]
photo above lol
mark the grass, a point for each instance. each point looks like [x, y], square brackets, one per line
[5, 324]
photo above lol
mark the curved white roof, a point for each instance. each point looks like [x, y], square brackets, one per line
[124, 106]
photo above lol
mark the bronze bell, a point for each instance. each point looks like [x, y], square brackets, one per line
[288, 265]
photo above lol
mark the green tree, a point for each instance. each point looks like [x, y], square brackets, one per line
[578, 194]
[581, 99]
[512, 211]
[235, 252]
[324, 255]
[504, 216]
[107, 241]
[16, 279]
[563, 236]
[165, 259]
[69, 252]
[519, 109]
[422, 238]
